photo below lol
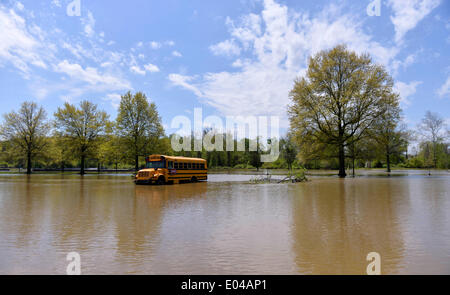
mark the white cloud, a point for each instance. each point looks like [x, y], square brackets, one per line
[147, 68]
[397, 64]
[114, 99]
[176, 53]
[57, 3]
[408, 13]
[227, 47]
[19, 6]
[406, 90]
[137, 70]
[20, 44]
[155, 45]
[444, 90]
[89, 24]
[95, 80]
[278, 43]
[183, 81]
[151, 68]
[26, 47]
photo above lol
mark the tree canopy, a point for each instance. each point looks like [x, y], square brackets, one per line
[138, 125]
[81, 127]
[26, 130]
[340, 98]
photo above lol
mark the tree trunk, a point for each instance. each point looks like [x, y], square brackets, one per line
[83, 160]
[342, 173]
[434, 156]
[406, 151]
[353, 166]
[136, 167]
[28, 163]
[62, 166]
[388, 162]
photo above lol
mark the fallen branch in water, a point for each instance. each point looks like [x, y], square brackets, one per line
[293, 178]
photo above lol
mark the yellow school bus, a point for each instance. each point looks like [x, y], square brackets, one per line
[161, 169]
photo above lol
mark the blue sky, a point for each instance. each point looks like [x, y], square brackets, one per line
[228, 57]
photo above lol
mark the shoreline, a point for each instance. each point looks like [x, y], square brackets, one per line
[232, 171]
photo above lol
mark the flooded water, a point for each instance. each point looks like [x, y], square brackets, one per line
[224, 226]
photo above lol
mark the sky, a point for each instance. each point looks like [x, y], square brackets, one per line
[228, 57]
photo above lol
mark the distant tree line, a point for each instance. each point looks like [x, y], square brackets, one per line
[81, 136]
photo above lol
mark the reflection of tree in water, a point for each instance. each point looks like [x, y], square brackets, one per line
[336, 223]
[23, 201]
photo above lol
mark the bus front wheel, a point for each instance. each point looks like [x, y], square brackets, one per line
[194, 179]
[160, 181]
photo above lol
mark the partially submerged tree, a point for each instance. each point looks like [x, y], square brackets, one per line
[81, 127]
[339, 99]
[138, 125]
[26, 131]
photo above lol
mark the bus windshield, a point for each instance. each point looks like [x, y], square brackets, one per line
[156, 164]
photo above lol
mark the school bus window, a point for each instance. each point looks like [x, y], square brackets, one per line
[170, 165]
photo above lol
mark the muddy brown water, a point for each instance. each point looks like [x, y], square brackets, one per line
[225, 226]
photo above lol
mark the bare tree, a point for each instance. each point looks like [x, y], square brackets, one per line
[431, 127]
[26, 130]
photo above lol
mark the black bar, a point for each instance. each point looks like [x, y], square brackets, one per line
[237, 285]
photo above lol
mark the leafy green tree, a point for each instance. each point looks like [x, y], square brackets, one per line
[81, 127]
[255, 156]
[114, 154]
[139, 125]
[26, 131]
[384, 130]
[339, 99]
[288, 151]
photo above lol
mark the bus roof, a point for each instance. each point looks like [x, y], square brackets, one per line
[179, 158]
